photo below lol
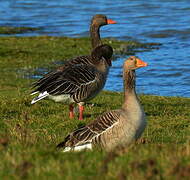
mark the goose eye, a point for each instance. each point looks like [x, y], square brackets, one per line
[131, 59]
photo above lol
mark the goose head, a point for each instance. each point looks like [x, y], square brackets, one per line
[101, 20]
[102, 52]
[133, 63]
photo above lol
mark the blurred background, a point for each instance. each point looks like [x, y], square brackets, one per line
[161, 21]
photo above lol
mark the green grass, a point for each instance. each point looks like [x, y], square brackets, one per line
[29, 133]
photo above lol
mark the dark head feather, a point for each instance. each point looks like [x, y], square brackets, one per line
[99, 19]
[105, 51]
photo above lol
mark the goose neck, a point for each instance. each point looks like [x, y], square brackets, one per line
[95, 35]
[130, 96]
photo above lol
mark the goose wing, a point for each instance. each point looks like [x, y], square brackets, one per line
[67, 81]
[85, 135]
[88, 60]
[78, 60]
[53, 75]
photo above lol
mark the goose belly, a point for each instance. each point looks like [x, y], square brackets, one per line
[66, 98]
[135, 125]
[124, 133]
[140, 126]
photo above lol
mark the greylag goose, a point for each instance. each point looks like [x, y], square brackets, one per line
[116, 127]
[76, 83]
[97, 21]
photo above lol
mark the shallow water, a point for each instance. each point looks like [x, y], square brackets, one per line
[164, 21]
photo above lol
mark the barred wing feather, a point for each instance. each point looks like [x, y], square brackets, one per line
[67, 81]
[91, 132]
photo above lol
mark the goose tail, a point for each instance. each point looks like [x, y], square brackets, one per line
[39, 97]
[78, 148]
[74, 148]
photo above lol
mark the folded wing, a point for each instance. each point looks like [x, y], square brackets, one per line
[90, 134]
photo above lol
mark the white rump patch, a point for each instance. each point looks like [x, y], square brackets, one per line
[65, 98]
[40, 96]
[78, 148]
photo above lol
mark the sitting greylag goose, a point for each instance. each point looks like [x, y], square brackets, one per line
[117, 127]
[98, 21]
[76, 83]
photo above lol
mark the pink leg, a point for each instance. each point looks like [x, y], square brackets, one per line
[81, 109]
[71, 113]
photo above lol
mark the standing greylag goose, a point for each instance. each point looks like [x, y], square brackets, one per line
[76, 83]
[97, 21]
[117, 127]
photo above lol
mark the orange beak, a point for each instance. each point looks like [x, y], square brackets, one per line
[110, 21]
[141, 63]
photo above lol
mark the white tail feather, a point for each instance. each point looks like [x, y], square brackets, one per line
[78, 148]
[40, 96]
[34, 93]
